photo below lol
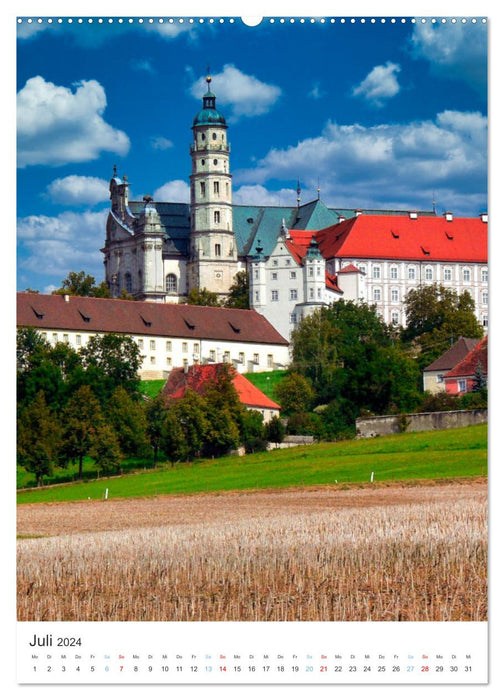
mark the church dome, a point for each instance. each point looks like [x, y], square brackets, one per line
[209, 115]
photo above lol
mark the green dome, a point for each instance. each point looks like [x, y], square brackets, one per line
[209, 115]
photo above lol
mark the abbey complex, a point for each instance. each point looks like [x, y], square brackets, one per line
[298, 258]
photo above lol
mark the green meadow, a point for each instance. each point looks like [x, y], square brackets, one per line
[443, 454]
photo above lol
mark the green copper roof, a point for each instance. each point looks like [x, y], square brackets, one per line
[313, 250]
[314, 216]
[209, 115]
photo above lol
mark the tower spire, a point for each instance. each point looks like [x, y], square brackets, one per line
[298, 198]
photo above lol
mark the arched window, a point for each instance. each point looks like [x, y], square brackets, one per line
[171, 283]
[128, 283]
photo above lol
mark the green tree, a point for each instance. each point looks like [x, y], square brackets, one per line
[80, 284]
[480, 380]
[77, 284]
[294, 393]
[436, 317]
[238, 297]
[81, 419]
[202, 297]
[223, 408]
[251, 428]
[38, 436]
[54, 370]
[274, 430]
[104, 449]
[156, 417]
[192, 417]
[31, 349]
[173, 440]
[314, 350]
[127, 417]
[351, 356]
[110, 361]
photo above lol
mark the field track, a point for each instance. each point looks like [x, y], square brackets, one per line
[52, 519]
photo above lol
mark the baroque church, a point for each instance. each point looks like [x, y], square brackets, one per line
[298, 258]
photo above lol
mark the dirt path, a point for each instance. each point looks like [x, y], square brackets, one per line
[49, 519]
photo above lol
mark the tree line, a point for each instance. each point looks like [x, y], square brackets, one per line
[73, 405]
[347, 362]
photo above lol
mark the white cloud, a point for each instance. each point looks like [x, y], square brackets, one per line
[143, 64]
[316, 93]
[456, 50]
[380, 84]
[56, 245]
[259, 195]
[387, 165]
[78, 190]
[58, 126]
[29, 30]
[174, 191]
[160, 143]
[244, 94]
[169, 30]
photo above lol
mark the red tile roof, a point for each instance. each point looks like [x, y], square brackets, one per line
[331, 282]
[348, 269]
[298, 245]
[453, 356]
[198, 377]
[297, 250]
[467, 367]
[51, 311]
[402, 238]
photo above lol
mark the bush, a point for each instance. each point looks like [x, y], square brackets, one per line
[302, 423]
[477, 399]
[438, 402]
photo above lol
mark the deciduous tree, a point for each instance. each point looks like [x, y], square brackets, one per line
[80, 419]
[38, 437]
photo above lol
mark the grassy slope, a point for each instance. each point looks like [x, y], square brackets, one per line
[266, 381]
[432, 455]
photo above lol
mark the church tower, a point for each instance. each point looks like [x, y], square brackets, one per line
[213, 255]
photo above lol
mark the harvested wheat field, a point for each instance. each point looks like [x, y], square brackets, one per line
[380, 553]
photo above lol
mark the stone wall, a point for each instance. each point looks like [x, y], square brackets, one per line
[416, 422]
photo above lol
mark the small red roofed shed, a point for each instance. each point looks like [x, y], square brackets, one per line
[198, 378]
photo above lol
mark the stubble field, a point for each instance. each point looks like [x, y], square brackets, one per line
[376, 553]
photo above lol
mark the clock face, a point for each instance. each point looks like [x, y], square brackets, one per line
[218, 275]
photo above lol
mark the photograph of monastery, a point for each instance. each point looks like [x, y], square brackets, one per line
[252, 306]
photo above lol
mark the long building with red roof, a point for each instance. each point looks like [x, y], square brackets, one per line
[375, 258]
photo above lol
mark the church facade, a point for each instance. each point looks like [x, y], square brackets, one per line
[298, 258]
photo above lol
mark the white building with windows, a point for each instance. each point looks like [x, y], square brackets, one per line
[168, 335]
[376, 259]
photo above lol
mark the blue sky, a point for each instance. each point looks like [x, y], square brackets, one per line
[383, 115]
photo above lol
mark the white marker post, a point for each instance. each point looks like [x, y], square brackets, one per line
[372, 477]
[106, 494]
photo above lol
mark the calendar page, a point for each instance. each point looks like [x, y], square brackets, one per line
[252, 350]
